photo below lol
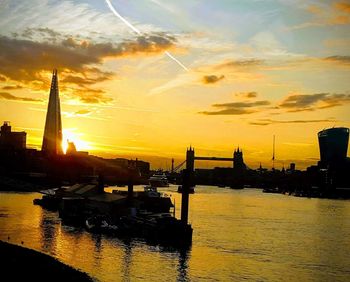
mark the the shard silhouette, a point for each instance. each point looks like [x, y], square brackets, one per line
[52, 141]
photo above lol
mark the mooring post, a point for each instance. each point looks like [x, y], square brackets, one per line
[100, 184]
[130, 191]
[188, 176]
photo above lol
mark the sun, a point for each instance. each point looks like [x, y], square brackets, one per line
[71, 136]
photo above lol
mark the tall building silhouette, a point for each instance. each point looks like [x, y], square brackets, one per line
[10, 140]
[52, 140]
[333, 144]
[238, 163]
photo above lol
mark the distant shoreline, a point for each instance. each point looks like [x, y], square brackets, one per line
[23, 264]
[10, 183]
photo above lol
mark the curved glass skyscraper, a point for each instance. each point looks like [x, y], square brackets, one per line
[333, 144]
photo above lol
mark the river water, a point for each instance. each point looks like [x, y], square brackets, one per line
[239, 235]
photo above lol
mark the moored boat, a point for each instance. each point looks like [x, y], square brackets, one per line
[159, 179]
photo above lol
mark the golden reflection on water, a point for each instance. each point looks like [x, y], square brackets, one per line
[238, 235]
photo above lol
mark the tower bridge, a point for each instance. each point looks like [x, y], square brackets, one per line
[189, 179]
[237, 159]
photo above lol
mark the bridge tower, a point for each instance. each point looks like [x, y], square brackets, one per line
[188, 181]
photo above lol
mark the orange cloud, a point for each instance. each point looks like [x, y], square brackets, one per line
[339, 20]
[299, 103]
[12, 87]
[336, 14]
[237, 108]
[263, 122]
[8, 96]
[23, 60]
[82, 81]
[292, 103]
[211, 79]
[314, 9]
[241, 63]
[343, 6]
[248, 95]
[339, 42]
[83, 112]
[341, 60]
[78, 60]
[90, 96]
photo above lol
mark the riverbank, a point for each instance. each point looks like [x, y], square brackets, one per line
[22, 264]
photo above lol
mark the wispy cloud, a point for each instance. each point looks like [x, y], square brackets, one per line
[86, 114]
[298, 144]
[263, 122]
[299, 103]
[342, 60]
[12, 87]
[83, 81]
[180, 80]
[83, 112]
[250, 62]
[237, 108]
[333, 43]
[343, 6]
[61, 16]
[8, 96]
[91, 96]
[251, 94]
[291, 103]
[166, 6]
[326, 14]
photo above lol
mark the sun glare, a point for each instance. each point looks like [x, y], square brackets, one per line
[71, 136]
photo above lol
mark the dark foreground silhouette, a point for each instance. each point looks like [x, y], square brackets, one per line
[22, 264]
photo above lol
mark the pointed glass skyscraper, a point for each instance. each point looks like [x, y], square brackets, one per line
[52, 141]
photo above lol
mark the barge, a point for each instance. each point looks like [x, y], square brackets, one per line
[147, 214]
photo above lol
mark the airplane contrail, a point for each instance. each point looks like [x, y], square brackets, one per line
[137, 31]
[176, 60]
[121, 18]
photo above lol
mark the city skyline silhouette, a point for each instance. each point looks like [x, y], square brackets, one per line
[121, 96]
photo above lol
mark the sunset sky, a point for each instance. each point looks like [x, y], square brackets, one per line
[256, 68]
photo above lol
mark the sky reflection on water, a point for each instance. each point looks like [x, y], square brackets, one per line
[238, 235]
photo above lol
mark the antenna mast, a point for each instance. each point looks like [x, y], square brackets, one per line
[273, 154]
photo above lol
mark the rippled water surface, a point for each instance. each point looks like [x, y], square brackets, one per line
[239, 235]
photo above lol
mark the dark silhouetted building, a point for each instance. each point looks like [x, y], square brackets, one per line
[71, 149]
[292, 167]
[238, 163]
[333, 144]
[10, 140]
[52, 140]
[143, 167]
